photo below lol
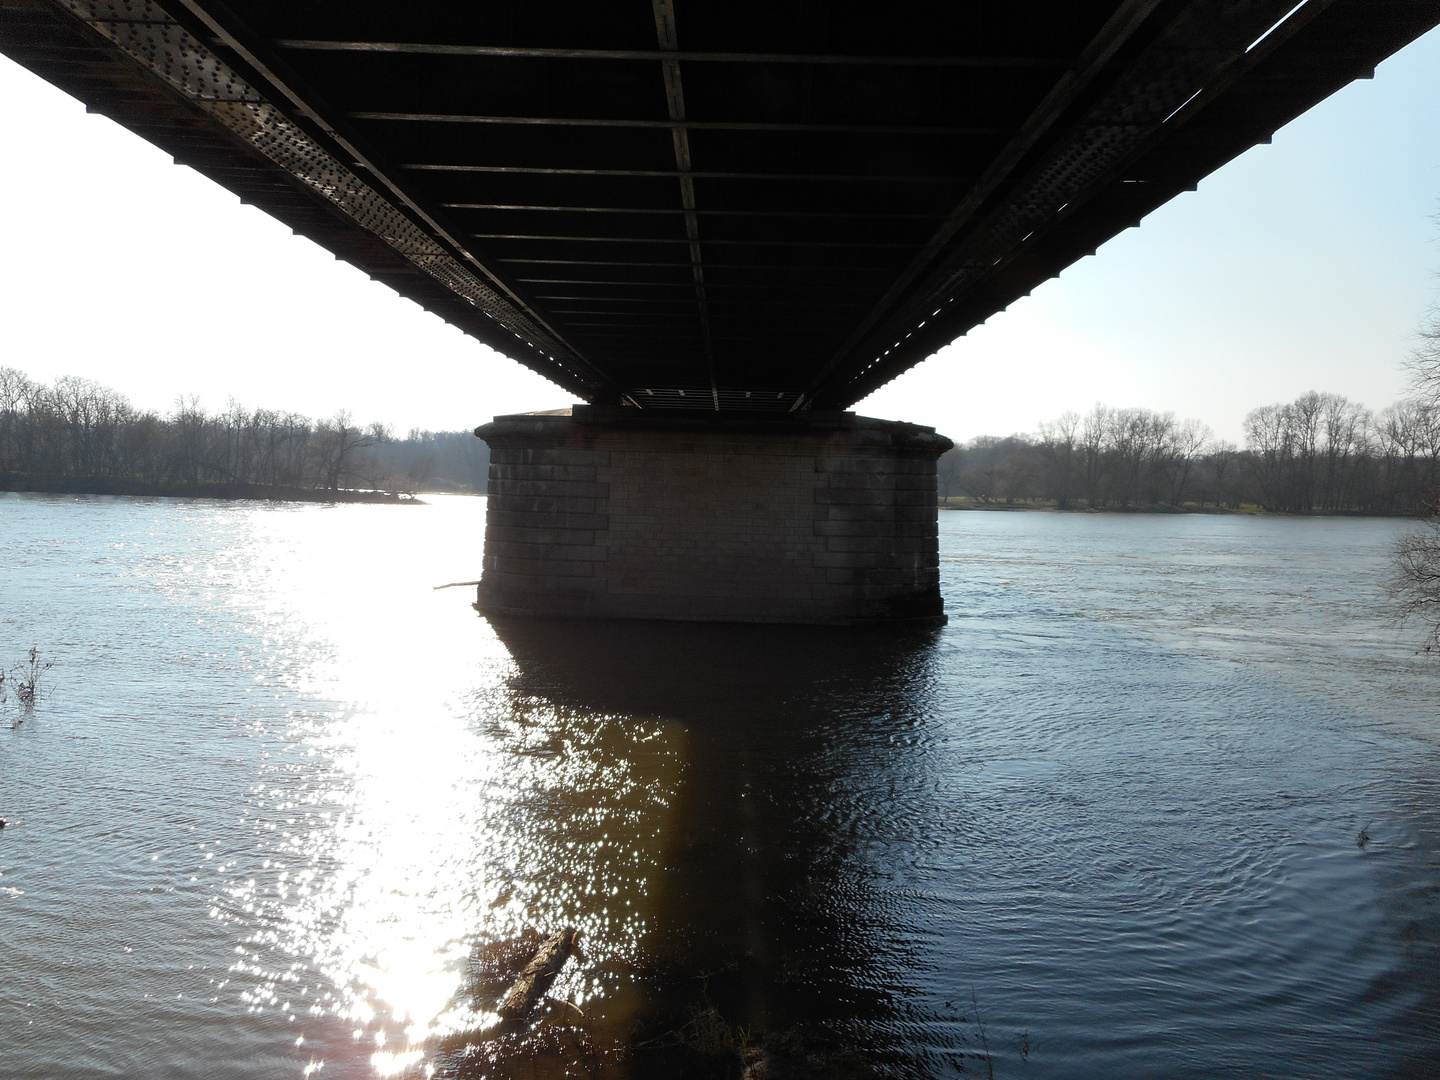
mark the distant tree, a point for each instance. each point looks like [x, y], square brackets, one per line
[1221, 457]
[341, 441]
[948, 470]
[189, 424]
[1059, 443]
[1094, 435]
[1141, 446]
[16, 389]
[1303, 454]
[1185, 443]
[1018, 469]
[982, 458]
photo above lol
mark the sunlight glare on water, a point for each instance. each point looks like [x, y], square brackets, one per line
[398, 846]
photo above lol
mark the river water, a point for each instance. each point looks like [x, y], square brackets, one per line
[286, 810]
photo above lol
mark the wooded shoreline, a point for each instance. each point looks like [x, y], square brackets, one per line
[74, 435]
[1320, 454]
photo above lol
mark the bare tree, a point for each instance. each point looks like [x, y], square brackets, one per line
[1415, 584]
[1186, 442]
[1093, 439]
[982, 457]
[1058, 443]
[1424, 362]
[189, 423]
[16, 389]
[342, 442]
[1221, 457]
[947, 470]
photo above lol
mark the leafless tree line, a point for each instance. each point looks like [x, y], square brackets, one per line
[75, 434]
[1321, 452]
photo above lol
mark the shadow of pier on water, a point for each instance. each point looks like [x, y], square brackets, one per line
[778, 755]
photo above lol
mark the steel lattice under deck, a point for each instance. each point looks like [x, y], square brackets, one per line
[710, 204]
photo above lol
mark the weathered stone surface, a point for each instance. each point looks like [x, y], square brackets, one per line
[613, 513]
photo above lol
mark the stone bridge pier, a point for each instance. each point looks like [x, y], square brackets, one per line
[610, 512]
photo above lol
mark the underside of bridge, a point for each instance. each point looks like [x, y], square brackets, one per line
[722, 208]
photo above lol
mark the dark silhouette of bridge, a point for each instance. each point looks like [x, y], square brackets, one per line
[718, 204]
[734, 207]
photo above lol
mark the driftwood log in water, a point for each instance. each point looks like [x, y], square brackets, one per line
[538, 974]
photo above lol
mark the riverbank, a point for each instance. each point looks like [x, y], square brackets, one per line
[226, 492]
[961, 502]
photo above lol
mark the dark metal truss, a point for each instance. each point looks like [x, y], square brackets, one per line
[717, 204]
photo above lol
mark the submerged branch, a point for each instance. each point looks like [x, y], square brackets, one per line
[538, 974]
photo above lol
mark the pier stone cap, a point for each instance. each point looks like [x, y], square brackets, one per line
[590, 420]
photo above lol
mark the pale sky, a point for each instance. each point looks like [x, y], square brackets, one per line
[1306, 264]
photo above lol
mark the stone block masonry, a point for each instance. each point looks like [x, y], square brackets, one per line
[608, 512]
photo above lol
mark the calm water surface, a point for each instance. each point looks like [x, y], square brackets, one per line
[288, 811]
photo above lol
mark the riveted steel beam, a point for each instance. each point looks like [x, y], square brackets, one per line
[664, 54]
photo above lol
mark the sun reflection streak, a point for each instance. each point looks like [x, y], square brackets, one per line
[427, 810]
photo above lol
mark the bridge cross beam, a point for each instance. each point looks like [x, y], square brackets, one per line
[680, 134]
